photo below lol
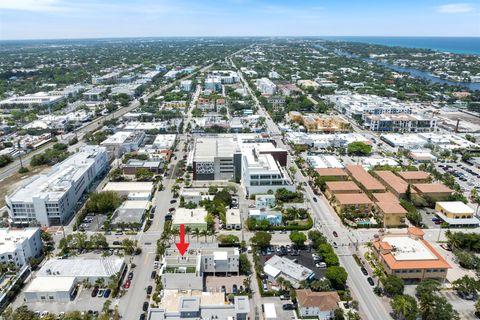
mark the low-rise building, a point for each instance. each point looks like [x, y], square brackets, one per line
[130, 214]
[35, 99]
[393, 213]
[394, 183]
[433, 191]
[266, 86]
[125, 188]
[265, 201]
[273, 217]
[133, 165]
[409, 256]
[186, 85]
[191, 218]
[323, 124]
[399, 123]
[324, 162]
[50, 289]
[233, 221]
[123, 142]
[364, 179]
[321, 305]
[414, 176]
[18, 246]
[293, 272]
[357, 203]
[456, 214]
[333, 188]
[336, 174]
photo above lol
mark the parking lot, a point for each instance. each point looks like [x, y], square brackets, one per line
[217, 284]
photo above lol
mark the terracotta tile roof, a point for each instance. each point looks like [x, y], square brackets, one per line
[414, 175]
[325, 301]
[393, 181]
[416, 231]
[352, 198]
[384, 197]
[336, 186]
[432, 188]
[391, 207]
[364, 178]
[331, 172]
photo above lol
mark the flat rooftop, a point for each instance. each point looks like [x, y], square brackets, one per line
[11, 238]
[50, 284]
[405, 248]
[276, 265]
[457, 207]
[129, 187]
[81, 267]
[188, 216]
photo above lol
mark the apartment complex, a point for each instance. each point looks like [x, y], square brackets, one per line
[356, 105]
[315, 124]
[123, 142]
[399, 123]
[266, 86]
[17, 246]
[409, 256]
[50, 199]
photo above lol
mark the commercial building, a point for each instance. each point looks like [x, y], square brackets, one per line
[318, 142]
[84, 270]
[35, 99]
[176, 104]
[133, 165]
[399, 123]
[265, 201]
[125, 188]
[456, 214]
[50, 199]
[433, 191]
[191, 218]
[50, 289]
[164, 141]
[123, 142]
[324, 161]
[273, 217]
[95, 94]
[358, 203]
[213, 84]
[409, 256]
[266, 86]
[393, 213]
[130, 214]
[317, 304]
[233, 221]
[364, 179]
[293, 272]
[186, 85]
[412, 141]
[18, 246]
[323, 124]
[356, 105]
[199, 305]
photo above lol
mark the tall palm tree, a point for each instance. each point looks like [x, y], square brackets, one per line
[213, 233]
[204, 233]
[175, 232]
[196, 233]
[188, 231]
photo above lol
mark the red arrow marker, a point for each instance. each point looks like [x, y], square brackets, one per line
[182, 246]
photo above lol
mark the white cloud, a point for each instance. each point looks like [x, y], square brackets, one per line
[34, 5]
[455, 8]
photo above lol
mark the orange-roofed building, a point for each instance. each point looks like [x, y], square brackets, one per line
[394, 183]
[393, 213]
[384, 197]
[332, 173]
[433, 191]
[409, 256]
[414, 176]
[358, 203]
[364, 179]
[338, 187]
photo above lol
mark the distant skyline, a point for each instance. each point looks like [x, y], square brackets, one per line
[63, 19]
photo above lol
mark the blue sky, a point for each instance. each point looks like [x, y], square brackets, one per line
[41, 19]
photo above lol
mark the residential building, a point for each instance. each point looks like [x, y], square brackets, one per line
[409, 256]
[176, 104]
[393, 213]
[191, 218]
[213, 84]
[414, 176]
[50, 199]
[456, 214]
[123, 142]
[295, 273]
[357, 203]
[321, 124]
[399, 123]
[356, 105]
[394, 183]
[308, 84]
[277, 102]
[318, 142]
[336, 174]
[385, 197]
[333, 188]
[18, 246]
[364, 179]
[199, 305]
[289, 89]
[433, 191]
[321, 305]
[186, 85]
[266, 86]
[273, 217]
[265, 201]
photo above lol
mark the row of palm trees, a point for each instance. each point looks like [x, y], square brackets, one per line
[195, 233]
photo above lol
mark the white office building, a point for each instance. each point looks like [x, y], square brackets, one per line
[293, 272]
[123, 142]
[186, 85]
[359, 104]
[17, 246]
[39, 98]
[50, 199]
[261, 172]
[213, 84]
[266, 86]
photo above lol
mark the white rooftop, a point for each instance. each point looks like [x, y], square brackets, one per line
[118, 137]
[81, 267]
[456, 207]
[11, 238]
[186, 216]
[51, 284]
[129, 187]
[405, 248]
[287, 267]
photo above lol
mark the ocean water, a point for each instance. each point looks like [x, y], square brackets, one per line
[464, 45]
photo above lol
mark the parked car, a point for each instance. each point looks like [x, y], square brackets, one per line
[130, 275]
[142, 316]
[100, 293]
[145, 306]
[288, 306]
[364, 271]
[370, 281]
[94, 292]
[126, 285]
[116, 243]
[171, 209]
[335, 234]
[153, 275]
[285, 297]
[107, 293]
[168, 217]
[315, 199]
[149, 289]
[234, 289]
[173, 201]
[321, 265]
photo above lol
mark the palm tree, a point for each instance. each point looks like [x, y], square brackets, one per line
[204, 233]
[213, 233]
[175, 232]
[196, 233]
[188, 230]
